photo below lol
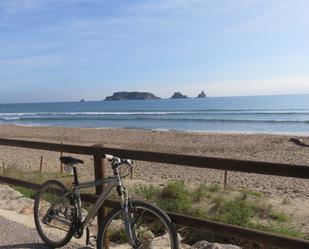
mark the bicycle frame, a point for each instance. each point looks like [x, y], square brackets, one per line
[109, 184]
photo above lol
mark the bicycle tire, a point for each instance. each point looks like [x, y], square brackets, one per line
[174, 242]
[37, 220]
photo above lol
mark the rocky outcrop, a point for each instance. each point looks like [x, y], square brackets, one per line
[178, 95]
[201, 95]
[208, 245]
[131, 96]
[13, 200]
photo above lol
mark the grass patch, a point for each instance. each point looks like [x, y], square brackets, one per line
[285, 230]
[236, 212]
[243, 208]
[286, 201]
[33, 176]
[29, 193]
[174, 197]
[248, 192]
[279, 216]
[204, 191]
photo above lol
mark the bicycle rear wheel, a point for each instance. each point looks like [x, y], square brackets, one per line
[54, 214]
[150, 226]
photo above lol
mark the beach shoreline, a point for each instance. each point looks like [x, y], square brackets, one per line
[208, 132]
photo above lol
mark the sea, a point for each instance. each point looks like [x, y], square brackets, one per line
[288, 114]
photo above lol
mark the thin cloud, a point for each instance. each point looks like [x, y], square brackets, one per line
[162, 5]
[31, 61]
[253, 87]
[12, 7]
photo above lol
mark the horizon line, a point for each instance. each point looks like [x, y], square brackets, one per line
[102, 100]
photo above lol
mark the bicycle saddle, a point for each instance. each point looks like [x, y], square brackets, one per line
[70, 160]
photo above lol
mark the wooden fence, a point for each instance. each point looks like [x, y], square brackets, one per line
[98, 152]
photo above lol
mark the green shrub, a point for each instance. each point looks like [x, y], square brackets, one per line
[279, 216]
[249, 192]
[175, 190]
[236, 209]
[174, 197]
[236, 212]
[26, 192]
[204, 191]
[286, 230]
[148, 192]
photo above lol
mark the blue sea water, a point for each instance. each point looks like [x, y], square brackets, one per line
[257, 114]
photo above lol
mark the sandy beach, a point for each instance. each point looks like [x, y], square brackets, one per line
[260, 147]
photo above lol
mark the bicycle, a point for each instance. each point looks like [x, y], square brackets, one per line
[59, 215]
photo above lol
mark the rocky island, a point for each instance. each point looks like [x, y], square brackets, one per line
[178, 95]
[201, 95]
[131, 96]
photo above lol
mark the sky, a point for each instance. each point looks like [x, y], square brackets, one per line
[66, 50]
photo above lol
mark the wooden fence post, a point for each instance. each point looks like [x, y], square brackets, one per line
[61, 165]
[100, 173]
[225, 179]
[3, 168]
[41, 164]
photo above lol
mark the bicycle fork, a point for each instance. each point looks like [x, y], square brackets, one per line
[127, 219]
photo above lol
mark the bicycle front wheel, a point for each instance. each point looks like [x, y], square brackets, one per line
[149, 224]
[54, 214]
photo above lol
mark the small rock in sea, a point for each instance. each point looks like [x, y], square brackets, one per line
[178, 95]
[202, 95]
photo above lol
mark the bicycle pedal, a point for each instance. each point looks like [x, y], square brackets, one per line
[91, 240]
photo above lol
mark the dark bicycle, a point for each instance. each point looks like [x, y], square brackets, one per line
[134, 224]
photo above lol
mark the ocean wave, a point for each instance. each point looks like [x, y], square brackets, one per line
[10, 118]
[48, 119]
[98, 113]
[193, 116]
[159, 113]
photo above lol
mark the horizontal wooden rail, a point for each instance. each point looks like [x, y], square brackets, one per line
[278, 169]
[21, 183]
[211, 226]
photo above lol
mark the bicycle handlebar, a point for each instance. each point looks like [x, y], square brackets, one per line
[118, 160]
[109, 157]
